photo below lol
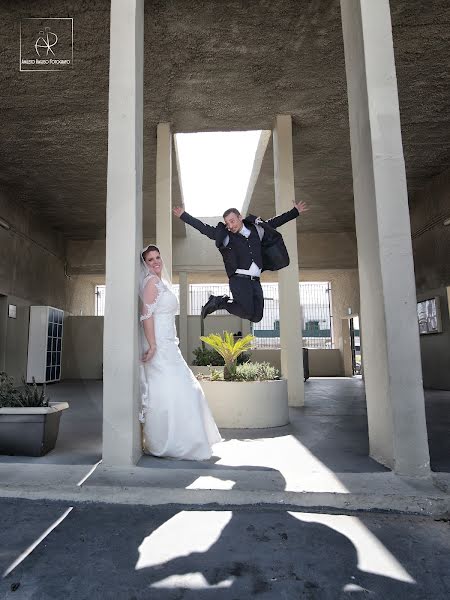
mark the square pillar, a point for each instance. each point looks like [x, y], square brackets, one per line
[164, 194]
[291, 322]
[392, 367]
[184, 311]
[121, 429]
[346, 348]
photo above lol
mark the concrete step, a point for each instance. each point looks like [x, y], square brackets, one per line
[436, 505]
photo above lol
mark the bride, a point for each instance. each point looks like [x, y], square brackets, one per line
[176, 418]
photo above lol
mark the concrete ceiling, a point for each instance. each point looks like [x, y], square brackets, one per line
[216, 65]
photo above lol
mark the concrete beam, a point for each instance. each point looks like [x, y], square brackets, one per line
[164, 194]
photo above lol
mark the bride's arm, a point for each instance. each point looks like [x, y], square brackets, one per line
[149, 301]
[149, 331]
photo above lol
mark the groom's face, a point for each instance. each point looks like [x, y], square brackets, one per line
[233, 222]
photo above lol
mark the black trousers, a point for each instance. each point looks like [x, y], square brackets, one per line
[248, 300]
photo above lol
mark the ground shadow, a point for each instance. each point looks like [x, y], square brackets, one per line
[136, 553]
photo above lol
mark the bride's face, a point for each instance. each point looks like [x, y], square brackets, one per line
[154, 261]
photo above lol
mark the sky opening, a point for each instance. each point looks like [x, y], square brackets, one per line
[215, 169]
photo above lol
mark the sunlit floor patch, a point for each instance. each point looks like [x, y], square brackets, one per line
[283, 454]
[211, 483]
[373, 556]
[192, 581]
[185, 533]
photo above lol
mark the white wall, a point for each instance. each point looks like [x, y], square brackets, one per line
[322, 362]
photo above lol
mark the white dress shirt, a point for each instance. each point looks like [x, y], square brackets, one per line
[254, 270]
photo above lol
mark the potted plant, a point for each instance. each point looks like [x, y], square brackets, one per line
[205, 358]
[248, 395]
[228, 349]
[29, 423]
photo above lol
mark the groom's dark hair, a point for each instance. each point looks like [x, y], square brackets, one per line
[229, 211]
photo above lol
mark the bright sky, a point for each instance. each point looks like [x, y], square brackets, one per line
[215, 169]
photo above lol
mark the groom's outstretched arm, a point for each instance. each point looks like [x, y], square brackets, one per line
[287, 216]
[207, 230]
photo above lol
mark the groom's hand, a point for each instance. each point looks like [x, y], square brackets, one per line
[178, 211]
[301, 206]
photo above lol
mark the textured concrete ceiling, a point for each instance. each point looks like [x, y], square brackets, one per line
[216, 65]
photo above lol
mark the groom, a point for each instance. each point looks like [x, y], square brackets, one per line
[248, 247]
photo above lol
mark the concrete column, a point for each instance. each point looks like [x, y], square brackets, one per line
[346, 348]
[291, 322]
[245, 327]
[392, 367]
[121, 429]
[184, 311]
[164, 194]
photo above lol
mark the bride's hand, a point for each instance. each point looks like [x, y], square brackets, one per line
[149, 354]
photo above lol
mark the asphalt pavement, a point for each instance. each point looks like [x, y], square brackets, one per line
[58, 551]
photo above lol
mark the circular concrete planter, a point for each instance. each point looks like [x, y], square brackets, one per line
[30, 431]
[248, 404]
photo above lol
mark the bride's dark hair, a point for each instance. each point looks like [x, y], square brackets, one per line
[150, 248]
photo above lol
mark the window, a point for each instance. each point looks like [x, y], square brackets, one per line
[429, 316]
[99, 300]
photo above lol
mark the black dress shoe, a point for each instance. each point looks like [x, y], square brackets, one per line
[209, 307]
[214, 303]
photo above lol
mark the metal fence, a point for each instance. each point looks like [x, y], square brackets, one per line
[315, 300]
[200, 292]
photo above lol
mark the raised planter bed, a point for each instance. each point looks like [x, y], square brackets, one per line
[30, 431]
[248, 404]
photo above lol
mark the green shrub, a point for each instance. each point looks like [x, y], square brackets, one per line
[256, 371]
[207, 357]
[216, 375]
[9, 396]
[28, 396]
[249, 371]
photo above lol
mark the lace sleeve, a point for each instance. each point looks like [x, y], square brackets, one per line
[150, 297]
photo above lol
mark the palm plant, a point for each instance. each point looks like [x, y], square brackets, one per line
[228, 349]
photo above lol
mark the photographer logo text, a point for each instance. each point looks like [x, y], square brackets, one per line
[46, 44]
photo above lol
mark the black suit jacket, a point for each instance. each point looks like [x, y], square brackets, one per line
[274, 253]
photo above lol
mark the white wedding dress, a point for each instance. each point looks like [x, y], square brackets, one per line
[177, 421]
